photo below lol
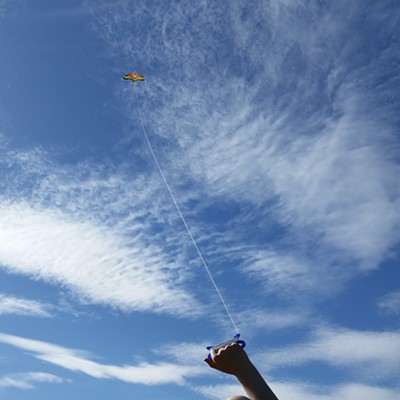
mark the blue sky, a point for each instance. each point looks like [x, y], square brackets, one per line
[277, 128]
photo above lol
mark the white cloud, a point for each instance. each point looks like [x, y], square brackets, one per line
[110, 237]
[316, 157]
[342, 185]
[372, 355]
[25, 307]
[94, 262]
[285, 127]
[78, 361]
[338, 187]
[323, 153]
[390, 304]
[350, 391]
[221, 391]
[297, 138]
[306, 391]
[27, 380]
[282, 273]
[258, 320]
[186, 353]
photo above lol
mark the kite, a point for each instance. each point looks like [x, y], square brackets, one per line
[133, 77]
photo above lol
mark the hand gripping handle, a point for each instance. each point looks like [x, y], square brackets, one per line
[235, 339]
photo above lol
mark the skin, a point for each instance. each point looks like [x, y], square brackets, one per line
[233, 360]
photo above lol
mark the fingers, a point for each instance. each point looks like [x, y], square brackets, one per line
[228, 349]
[210, 363]
[214, 355]
[226, 358]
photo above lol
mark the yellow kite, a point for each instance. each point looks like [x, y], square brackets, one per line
[133, 77]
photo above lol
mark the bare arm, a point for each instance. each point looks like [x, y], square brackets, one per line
[233, 360]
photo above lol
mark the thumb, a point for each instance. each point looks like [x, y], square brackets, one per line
[210, 362]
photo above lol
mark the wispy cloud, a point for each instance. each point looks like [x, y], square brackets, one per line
[284, 132]
[372, 355]
[306, 391]
[349, 391]
[79, 361]
[106, 235]
[221, 391]
[259, 320]
[282, 272]
[22, 306]
[390, 304]
[276, 126]
[28, 380]
[308, 141]
[96, 264]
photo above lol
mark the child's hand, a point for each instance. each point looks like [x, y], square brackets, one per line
[230, 359]
[233, 360]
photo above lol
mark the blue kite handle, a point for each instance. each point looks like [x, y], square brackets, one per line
[235, 339]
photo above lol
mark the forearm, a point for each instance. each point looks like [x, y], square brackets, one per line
[254, 384]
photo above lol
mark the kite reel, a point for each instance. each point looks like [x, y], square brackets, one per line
[235, 339]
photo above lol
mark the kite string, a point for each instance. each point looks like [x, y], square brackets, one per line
[182, 217]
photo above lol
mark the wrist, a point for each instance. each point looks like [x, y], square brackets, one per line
[246, 372]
